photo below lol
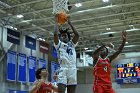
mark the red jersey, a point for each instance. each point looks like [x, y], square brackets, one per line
[102, 71]
[45, 88]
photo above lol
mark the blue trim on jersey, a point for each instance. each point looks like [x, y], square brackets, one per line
[59, 45]
[72, 43]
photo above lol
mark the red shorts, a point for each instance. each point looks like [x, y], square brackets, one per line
[103, 89]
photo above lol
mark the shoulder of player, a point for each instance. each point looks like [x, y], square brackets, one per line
[109, 58]
[71, 42]
[36, 82]
[50, 83]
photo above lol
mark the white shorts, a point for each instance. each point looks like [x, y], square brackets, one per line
[67, 76]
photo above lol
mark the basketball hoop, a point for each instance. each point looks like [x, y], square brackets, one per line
[60, 7]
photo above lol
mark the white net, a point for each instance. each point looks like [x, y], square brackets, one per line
[60, 6]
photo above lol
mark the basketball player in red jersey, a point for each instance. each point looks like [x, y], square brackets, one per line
[102, 68]
[42, 85]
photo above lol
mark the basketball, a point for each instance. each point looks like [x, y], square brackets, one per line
[62, 18]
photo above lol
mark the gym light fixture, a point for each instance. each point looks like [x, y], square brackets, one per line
[78, 4]
[19, 16]
[105, 0]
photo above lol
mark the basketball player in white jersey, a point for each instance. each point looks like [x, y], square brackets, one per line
[67, 57]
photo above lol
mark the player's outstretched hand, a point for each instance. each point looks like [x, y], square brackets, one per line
[124, 35]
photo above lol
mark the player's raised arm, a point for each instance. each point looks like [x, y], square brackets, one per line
[124, 37]
[76, 34]
[56, 29]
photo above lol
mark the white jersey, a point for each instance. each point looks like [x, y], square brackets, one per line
[66, 53]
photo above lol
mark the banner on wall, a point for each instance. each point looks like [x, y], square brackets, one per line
[17, 91]
[30, 42]
[31, 68]
[42, 63]
[11, 65]
[54, 67]
[43, 47]
[13, 36]
[22, 60]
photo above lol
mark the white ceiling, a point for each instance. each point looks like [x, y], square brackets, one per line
[91, 20]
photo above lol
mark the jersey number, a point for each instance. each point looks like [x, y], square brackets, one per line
[105, 68]
[69, 51]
